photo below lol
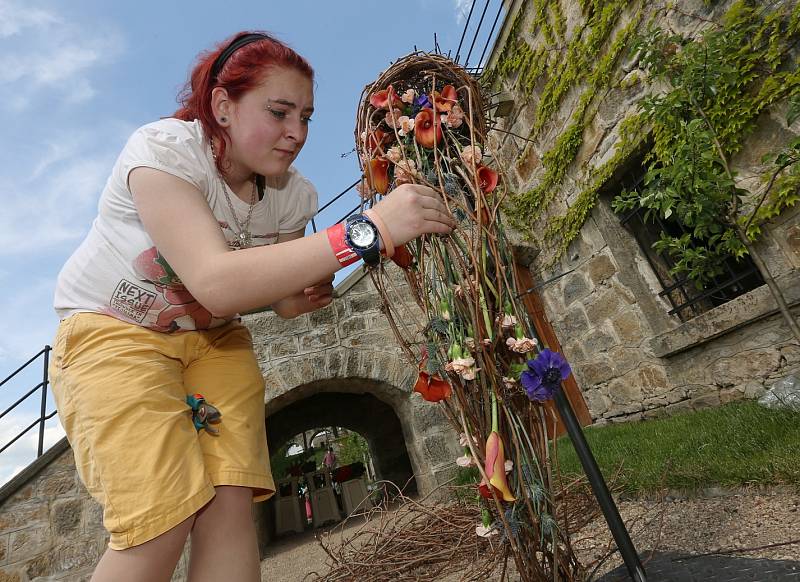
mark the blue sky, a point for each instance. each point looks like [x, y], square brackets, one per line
[77, 77]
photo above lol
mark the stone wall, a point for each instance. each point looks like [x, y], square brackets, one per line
[632, 359]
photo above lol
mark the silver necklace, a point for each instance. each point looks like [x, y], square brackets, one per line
[244, 238]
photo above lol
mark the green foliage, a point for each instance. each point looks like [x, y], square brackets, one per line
[717, 86]
[353, 448]
[739, 444]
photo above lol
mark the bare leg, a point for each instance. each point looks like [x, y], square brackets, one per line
[224, 545]
[152, 561]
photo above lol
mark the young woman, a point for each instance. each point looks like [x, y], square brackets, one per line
[202, 218]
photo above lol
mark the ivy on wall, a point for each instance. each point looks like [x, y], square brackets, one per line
[752, 73]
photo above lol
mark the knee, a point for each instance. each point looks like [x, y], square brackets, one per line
[230, 504]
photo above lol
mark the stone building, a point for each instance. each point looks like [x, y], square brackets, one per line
[637, 350]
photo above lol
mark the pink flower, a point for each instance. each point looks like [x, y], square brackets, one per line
[408, 96]
[364, 190]
[455, 117]
[394, 154]
[406, 125]
[521, 345]
[464, 461]
[509, 466]
[393, 117]
[471, 155]
[405, 171]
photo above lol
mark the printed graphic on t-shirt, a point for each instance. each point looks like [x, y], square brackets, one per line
[168, 302]
[132, 301]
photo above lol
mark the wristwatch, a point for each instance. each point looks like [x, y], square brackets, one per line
[361, 235]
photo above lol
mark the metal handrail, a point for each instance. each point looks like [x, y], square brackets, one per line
[43, 415]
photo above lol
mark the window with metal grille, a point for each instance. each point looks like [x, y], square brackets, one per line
[686, 299]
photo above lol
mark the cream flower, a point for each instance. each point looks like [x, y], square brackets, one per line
[509, 465]
[364, 190]
[471, 155]
[462, 440]
[508, 321]
[406, 125]
[408, 96]
[465, 367]
[509, 383]
[485, 532]
[464, 461]
[394, 155]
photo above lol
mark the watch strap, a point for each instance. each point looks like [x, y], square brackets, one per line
[343, 252]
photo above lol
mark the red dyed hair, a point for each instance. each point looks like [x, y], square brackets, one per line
[243, 71]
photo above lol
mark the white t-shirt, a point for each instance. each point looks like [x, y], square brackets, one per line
[118, 271]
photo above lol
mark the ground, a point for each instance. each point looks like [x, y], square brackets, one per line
[754, 533]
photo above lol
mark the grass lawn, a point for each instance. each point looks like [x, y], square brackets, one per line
[736, 444]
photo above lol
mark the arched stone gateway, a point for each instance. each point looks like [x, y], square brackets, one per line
[342, 366]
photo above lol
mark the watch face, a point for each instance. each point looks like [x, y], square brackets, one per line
[362, 234]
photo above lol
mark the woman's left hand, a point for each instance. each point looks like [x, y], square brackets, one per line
[320, 294]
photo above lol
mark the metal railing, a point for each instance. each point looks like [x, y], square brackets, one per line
[43, 415]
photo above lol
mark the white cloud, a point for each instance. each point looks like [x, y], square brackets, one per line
[23, 452]
[462, 10]
[49, 59]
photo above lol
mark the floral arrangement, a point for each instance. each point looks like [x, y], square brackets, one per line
[423, 121]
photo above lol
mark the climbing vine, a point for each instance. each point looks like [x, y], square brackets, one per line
[733, 71]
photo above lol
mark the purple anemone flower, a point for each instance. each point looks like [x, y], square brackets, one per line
[544, 375]
[423, 101]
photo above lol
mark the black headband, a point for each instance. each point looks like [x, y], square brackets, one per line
[223, 57]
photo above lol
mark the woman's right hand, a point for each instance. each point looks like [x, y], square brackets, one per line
[411, 210]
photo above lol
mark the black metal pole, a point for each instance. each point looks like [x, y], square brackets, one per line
[43, 413]
[599, 487]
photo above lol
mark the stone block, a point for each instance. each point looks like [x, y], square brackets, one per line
[24, 515]
[364, 303]
[9, 575]
[40, 566]
[353, 325]
[428, 417]
[527, 163]
[575, 324]
[628, 327]
[439, 450]
[57, 484]
[652, 380]
[600, 269]
[65, 516]
[4, 548]
[575, 288]
[707, 401]
[283, 347]
[92, 516]
[626, 396]
[603, 306]
[268, 325]
[317, 340]
[599, 341]
[78, 555]
[597, 402]
[743, 367]
[325, 316]
[594, 372]
[27, 543]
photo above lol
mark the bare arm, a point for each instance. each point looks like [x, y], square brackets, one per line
[177, 217]
[311, 298]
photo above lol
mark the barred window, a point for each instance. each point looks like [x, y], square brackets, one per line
[686, 299]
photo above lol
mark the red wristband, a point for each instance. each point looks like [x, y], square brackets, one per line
[344, 254]
[388, 243]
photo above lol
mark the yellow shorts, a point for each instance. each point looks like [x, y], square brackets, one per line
[121, 394]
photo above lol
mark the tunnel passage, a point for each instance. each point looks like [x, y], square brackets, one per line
[363, 413]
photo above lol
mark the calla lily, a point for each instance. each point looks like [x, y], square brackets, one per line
[487, 179]
[431, 386]
[382, 99]
[495, 466]
[496, 469]
[376, 140]
[447, 98]
[402, 257]
[378, 175]
[427, 128]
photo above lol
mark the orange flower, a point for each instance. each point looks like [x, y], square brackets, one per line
[382, 99]
[487, 179]
[376, 140]
[378, 175]
[445, 100]
[431, 387]
[402, 257]
[495, 470]
[427, 128]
